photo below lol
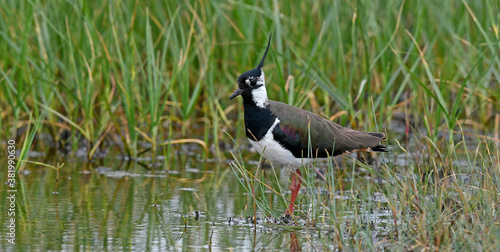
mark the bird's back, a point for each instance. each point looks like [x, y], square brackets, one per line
[299, 130]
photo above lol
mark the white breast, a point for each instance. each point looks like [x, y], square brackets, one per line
[274, 151]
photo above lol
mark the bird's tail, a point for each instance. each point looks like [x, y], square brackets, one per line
[381, 136]
[379, 148]
[355, 140]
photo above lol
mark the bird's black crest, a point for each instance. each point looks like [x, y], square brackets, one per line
[261, 64]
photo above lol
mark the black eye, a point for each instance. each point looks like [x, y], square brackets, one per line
[251, 82]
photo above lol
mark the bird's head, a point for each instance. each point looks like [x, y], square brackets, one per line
[252, 83]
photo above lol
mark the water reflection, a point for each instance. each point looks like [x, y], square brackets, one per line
[294, 243]
[193, 206]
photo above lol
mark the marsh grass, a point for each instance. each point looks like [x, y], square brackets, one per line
[129, 69]
[147, 75]
[449, 207]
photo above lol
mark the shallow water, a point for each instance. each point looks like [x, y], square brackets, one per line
[193, 206]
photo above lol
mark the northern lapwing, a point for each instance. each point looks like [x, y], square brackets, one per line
[283, 131]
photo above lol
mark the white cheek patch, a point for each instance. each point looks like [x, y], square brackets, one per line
[259, 95]
[262, 78]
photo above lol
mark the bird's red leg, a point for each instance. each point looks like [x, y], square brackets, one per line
[294, 187]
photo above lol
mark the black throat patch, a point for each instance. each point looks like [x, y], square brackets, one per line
[257, 120]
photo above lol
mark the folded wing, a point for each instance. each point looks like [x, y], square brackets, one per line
[326, 137]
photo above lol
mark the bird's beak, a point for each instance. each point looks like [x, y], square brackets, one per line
[236, 93]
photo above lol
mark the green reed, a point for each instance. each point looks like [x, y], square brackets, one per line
[131, 68]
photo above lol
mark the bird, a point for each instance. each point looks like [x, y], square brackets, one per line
[293, 137]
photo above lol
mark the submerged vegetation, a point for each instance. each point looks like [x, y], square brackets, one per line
[87, 78]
